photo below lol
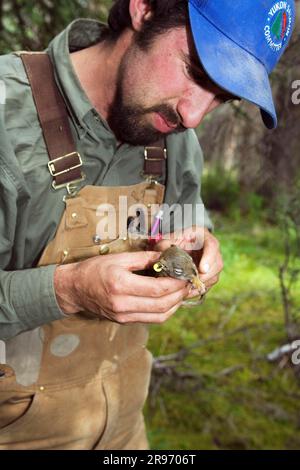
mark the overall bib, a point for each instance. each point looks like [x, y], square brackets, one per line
[80, 382]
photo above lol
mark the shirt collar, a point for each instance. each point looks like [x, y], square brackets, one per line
[78, 35]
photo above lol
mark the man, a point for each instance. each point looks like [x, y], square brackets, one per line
[78, 380]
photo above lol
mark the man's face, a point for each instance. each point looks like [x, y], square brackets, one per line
[162, 90]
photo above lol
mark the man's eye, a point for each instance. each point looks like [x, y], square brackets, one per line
[189, 70]
[228, 98]
[198, 76]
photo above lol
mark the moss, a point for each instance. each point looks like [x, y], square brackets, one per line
[256, 405]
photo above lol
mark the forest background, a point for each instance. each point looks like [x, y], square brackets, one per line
[224, 374]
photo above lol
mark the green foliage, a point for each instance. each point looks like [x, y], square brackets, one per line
[31, 24]
[252, 204]
[220, 190]
[288, 215]
[255, 406]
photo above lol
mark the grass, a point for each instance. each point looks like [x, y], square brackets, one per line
[241, 401]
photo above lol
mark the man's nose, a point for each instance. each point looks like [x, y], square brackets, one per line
[194, 106]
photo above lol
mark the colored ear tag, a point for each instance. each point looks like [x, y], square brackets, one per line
[158, 267]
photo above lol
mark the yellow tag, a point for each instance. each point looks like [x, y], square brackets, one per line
[158, 267]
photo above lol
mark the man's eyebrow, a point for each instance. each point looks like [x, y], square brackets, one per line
[198, 68]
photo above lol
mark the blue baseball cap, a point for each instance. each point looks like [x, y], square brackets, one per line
[239, 42]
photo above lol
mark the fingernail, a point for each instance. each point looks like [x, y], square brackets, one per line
[206, 268]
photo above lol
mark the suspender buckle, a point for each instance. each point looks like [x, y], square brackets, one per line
[64, 164]
[151, 179]
[154, 163]
[72, 189]
[154, 150]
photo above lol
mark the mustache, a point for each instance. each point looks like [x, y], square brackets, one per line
[169, 115]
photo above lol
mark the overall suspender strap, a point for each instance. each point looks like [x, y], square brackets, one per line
[155, 163]
[65, 163]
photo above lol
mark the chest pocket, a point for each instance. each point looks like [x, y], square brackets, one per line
[76, 216]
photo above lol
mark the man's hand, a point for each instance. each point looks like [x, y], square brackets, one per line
[107, 287]
[211, 262]
[203, 247]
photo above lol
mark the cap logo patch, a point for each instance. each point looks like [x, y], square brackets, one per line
[279, 25]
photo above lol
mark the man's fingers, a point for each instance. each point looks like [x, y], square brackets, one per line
[209, 257]
[212, 281]
[188, 239]
[193, 294]
[211, 262]
[122, 304]
[147, 317]
[136, 260]
[163, 244]
[212, 272]
[145, 286]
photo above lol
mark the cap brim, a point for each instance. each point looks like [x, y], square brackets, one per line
[231, 67]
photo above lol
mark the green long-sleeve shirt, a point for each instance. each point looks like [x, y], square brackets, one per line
[30, 209]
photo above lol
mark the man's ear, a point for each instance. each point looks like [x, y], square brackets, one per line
[140, 11]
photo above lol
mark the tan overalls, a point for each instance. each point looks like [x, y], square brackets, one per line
[80, 382]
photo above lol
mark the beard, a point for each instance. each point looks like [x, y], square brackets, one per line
[129, 123]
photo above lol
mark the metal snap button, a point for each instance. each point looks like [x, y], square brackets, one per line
[97, 240]
[104, 249]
